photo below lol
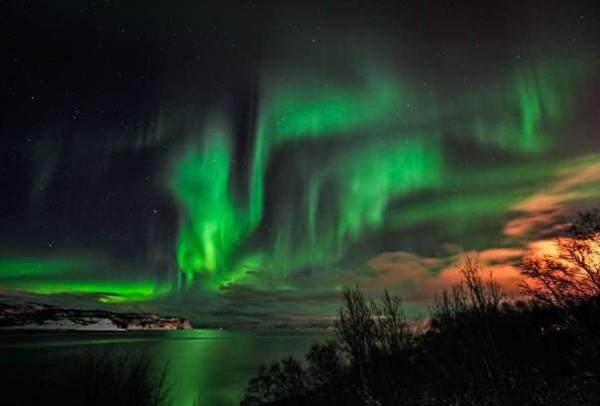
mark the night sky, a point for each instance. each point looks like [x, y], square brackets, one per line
[242, 162]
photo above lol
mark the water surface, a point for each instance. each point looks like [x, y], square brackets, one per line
[211, 365]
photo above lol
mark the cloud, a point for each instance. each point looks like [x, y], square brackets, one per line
[404, 273]
[266, 297]
[402, 268]
[417, 279]
[546, 210]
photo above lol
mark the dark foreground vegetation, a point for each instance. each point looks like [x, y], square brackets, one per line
[478, 347]
[104, 377]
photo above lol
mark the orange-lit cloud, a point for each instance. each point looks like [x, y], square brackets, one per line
[401, 272]
[547, 208]
[418, 278]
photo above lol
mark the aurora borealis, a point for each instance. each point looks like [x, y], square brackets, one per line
[371, 158]
[287, 116]
[242, 162]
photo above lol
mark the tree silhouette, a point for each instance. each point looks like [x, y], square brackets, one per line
[573, 273]
[480, 347]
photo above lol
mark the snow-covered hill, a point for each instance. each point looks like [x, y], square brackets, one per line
[36, 316]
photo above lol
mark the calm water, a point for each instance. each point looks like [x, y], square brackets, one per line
[210, 364]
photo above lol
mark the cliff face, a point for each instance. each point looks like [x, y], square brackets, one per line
[137, 321]
[35, 316]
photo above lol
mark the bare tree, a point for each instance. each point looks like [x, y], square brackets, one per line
[573, 273]
[325, 365]
[355, 326]
[280, 380]
[482, 293]
[475, 292]
[390, 324]
[569, 281]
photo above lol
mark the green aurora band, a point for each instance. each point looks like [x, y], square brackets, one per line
[330, 164]
[328, 159]
[74, 275]
[519, 114]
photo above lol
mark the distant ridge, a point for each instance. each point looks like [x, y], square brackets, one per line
[26, 315]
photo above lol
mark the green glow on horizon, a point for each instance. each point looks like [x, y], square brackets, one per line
[76, 275]
[106, 291]
[24, 267]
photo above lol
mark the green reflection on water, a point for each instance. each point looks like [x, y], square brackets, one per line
[211, 365]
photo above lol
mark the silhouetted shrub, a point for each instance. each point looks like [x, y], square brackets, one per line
[479, 349]
[279, 380]
[103, 377]
[107, 377]
[325, 364]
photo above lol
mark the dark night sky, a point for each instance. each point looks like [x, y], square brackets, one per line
[243, 161]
